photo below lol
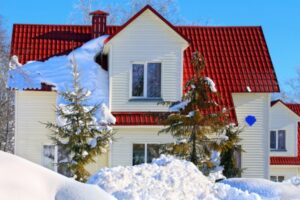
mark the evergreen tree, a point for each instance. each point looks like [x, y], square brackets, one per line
[199, 122]
[230, 152]
[77, 133]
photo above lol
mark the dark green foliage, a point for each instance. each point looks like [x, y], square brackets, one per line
[198, 125]
[80, 127]
[230, 153]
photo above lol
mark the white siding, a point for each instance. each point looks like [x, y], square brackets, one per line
[283, 170]
[121, 149]
[32, 108]
[255, 141]
[146, 39]
[282, 118]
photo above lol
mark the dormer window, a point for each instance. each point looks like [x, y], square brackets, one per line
[146, 80]
[277, 140]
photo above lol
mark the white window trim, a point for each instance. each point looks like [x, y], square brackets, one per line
[277, 176]
[277, 141]
[145, 92]
[145, 149]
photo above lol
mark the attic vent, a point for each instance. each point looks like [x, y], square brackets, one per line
[102, 60]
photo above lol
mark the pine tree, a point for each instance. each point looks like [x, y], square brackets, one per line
[199, 121]
[77, 132]
[230, 152]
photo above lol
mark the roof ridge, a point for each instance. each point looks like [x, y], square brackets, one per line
[71, 25]
[230, 26]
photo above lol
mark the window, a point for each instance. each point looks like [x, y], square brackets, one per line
[277, 178]
[277, 140]
[144, 153]
[146, 80]
[52, 155]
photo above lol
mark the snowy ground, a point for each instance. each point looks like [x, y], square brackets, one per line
[165, 178]
[24, 180]
[169, 178]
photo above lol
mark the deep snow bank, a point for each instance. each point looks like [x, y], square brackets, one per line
[267, 189]
[165, 178]
[21, 179]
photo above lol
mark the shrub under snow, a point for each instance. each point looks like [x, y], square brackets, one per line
[165, 178]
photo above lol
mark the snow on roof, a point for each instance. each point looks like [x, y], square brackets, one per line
[57, 71]
[21, 179]
[236, 57]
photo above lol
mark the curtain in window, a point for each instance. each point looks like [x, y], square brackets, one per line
[154, 80]
[138, 154]
[281, 139]
[137, 80]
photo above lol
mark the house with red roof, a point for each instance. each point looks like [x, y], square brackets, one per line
[284, 140]
[149, 48]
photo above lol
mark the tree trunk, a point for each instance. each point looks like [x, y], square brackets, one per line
[194, 152]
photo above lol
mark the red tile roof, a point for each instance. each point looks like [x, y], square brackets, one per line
[236, 57]
[285, 160]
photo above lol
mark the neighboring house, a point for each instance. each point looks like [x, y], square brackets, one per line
[237, 60]
[284, 141]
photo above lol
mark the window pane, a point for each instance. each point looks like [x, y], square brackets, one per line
[137, 80]
[138, 154]
[154, 80]
[63, 159]
[273, 178]
[152, 152]
[281, 139]
[238, 157]
[48, 156]
[280, 178]
[273, 140]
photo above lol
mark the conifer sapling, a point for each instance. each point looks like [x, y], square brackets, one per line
[77, 133]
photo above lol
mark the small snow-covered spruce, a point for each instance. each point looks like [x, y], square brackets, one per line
[231, 149]
[77, 132]
[198, 120]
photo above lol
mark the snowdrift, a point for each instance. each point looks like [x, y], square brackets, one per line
[21, 179]
[165, 178]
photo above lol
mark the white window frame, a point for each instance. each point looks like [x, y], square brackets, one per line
[55, 161]
[145, 149]
[145, 64]
[277, 141]
[277, 177]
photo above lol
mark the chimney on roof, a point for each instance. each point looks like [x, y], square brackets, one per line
[98, 23]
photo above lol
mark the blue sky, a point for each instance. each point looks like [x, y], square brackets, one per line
[280, 21]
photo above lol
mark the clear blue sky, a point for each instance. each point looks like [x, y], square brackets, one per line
[280, 20]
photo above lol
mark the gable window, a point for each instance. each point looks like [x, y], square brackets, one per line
[144, 153]
[277, 140]
[146, 80]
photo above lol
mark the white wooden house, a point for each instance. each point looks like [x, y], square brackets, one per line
[284, 141]
[237, 60]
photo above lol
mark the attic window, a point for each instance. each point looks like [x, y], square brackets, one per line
[102, 60]
[146, 80]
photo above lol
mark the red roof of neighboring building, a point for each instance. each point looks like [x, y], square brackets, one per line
[285, 160]
[236, 57]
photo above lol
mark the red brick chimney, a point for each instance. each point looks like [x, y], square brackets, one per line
[98, 23]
